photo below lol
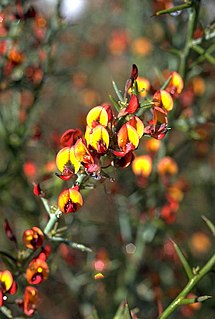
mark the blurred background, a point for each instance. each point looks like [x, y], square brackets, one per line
[52, 74]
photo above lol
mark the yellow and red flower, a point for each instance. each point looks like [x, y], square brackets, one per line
[82, 154]
[175, 85]
[97, 138]
[127, 139]
[33, 238]
[30, 300]
[67, 162]
[98, 115]
[7, 285]
[167, 166]
[143, 86]
[159, 131]
[70, 137]
[37, 271]
[162, 99]
[132, 107]
[142, 165]
[70, 200]
[152, 145]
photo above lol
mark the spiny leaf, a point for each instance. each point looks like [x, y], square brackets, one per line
[166, 83]
[183, 260]
[174, 9]
[123, 311]
[116, 105]
[118, 93]
[210, 225]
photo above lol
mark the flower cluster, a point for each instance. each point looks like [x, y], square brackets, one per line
[35, 272]
[110, 139]
[13, 59]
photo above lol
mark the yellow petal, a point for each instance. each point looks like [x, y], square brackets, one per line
[133, 136]
[142, 165]
[177, 82]
[97, 115]
[81, 152]
[100, 136]
[66, 156]
[138, 125]
[166, 100]
[6, 279]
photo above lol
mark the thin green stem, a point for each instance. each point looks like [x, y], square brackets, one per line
[179, 300]
[204, 54]
[52, 221]
[81, 178]
[193, 18]
[72, 244]
[6, 312]
[174, 9]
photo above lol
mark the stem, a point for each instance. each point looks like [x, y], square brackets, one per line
[6, 311]
[204, 54]
[174, 9]
[52, 221]
[192, 283]
[72, 244]
[193, 17]
[55, 216]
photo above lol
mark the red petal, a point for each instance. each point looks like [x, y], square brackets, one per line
[133, 105]
[64, 177]
[70, 137]
[13, 288]
[37, 190]
[9, 233]
[134, 72]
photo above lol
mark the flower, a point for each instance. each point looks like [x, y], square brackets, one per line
[167, 166]
[70, 137]
[163, 99]
[159, 131]
[37, 190]
[127, 139]
[37, 271]
[67, 163]
[169, 210]
[175, 85]
[33, 238]
[152, 145]
[7, 285]
[70, 200]
[131, 108]
[142, 165]
[97, 138]
[30, 300]
[97, 115]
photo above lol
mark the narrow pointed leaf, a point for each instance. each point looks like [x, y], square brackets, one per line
[174, 9]
[127, 312]
[120, 311]
[183, 260]
[166, 83]
[116, 105]
[203, 298]
[123, 311]
[210, 225]
[118, 93]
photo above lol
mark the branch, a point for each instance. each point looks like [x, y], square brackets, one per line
[179, 300]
